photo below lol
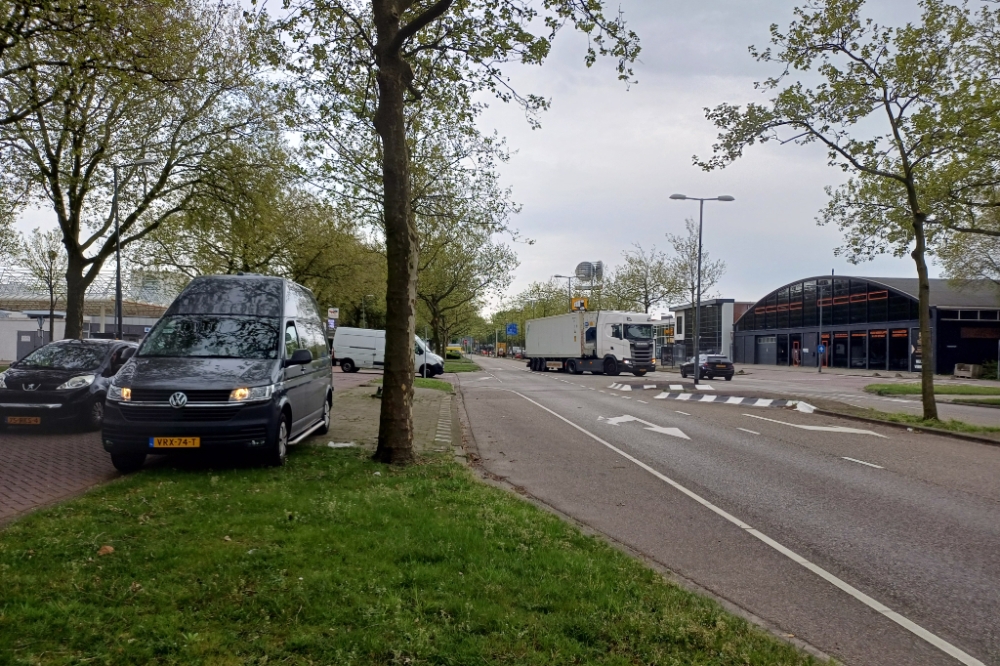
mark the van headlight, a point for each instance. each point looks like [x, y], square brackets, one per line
[77, 382]
[252, 394]
[119, 393]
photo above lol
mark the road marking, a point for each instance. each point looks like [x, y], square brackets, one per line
[862, 462]
[680, 412]
[595, 390]
[626, 387]
[685, 396]
[909, 625]
[662, 396]
[626, 418]
[649, 386]
[705, 387]
[752, 432]
[734, 400]
[855, 431]
[644, 402]
[676, 387]
[601, 391]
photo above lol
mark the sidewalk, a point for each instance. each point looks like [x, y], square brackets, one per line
[880, 375]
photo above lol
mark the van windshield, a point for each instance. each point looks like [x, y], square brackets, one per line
[213, 336]
[639, 331]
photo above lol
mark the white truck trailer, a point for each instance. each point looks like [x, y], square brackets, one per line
[602, 342]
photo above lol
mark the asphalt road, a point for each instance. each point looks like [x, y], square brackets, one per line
[871, 544]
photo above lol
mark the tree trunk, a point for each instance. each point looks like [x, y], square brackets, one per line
[76, 290]
[924, 291]
[395, 436]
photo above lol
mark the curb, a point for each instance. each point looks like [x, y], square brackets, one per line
[916, 429]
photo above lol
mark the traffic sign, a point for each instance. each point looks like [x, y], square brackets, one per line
[820, 349]
[511, 329]
[333, 313]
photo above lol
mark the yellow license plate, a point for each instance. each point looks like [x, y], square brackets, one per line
[24, 420]
[174, 442]
[721, 366]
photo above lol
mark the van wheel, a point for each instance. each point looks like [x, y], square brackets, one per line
[684, 375]
[347, 365]
[126, 463]
[277, 449]
[327, 407]
[611, 367]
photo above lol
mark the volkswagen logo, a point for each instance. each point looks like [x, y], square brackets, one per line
[30, 387]
[178, 400]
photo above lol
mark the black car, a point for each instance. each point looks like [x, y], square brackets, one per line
[710, 367]
[62, 383]
[237, 362]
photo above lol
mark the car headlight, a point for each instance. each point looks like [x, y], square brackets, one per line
[77, 382]
[252, 394]
[119, 393]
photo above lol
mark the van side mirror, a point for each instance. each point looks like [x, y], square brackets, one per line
[299, 357]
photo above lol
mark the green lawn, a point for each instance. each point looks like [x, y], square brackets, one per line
[914, 389]
[334, 559]
[420, 382]
[3, 367]
[912, 419]
[460, 365]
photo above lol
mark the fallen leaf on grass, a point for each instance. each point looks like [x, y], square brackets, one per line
[226, 538]
[105, 550]
[135, 587]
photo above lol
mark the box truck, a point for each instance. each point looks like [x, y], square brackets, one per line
[602, 342]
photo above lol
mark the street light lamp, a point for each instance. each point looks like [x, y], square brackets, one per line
[118, 241]
[697, 308]
[569, 288]
[364, 318]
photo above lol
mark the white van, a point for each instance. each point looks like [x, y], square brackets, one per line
[356, 348]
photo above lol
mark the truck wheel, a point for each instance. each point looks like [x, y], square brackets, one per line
[611, 367]
[639, 373]
[347, 365]
[571, 367]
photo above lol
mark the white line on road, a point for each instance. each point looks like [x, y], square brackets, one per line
[913, 627]
[680, 412]
[705, 387]
[854, 431]
[752, 432]
[600, 391]
[862, 462]
[644, 402]
[676, 387]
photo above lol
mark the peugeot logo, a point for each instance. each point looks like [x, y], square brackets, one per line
[178, 400]
[30, 387]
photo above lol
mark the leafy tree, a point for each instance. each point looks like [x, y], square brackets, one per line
[203, 92]
[905, 112]
[367, 60]
[683, 266]
[43, 254]
[972, 257]
[645, 279]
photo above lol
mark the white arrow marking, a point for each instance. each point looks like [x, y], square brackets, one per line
[855, 431]
[673, 432]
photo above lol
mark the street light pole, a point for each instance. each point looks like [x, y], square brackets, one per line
[118, 242]
[569, 288]
[697, 310]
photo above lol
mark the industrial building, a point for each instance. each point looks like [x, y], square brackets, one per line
[869, 323]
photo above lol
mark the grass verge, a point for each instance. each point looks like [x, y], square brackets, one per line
[461, 365]
[3, 367]
[914, 389]
[987, 402]
[323, 561]
[420, 382]
[912, 419]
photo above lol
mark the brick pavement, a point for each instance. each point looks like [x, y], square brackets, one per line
[39, 468]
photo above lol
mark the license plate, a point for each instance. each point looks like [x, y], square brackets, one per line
[174, 442]
[24, 420]
[721, 367]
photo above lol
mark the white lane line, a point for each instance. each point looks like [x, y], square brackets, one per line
[626, 387]
[644, 402]
[854, 431]
[680, 412]
[495, 377]
[685, 396]
[752, 432]
[676, 387]
[649, 386]
[662, 396]
[705, 387]
[734, 400]
[909, 625]
[600, 391]
[595, 390]
[862, 462]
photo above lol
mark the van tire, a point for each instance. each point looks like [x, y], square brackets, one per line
[327, 408]
[277, 445]
[126, 463]
[347, 365]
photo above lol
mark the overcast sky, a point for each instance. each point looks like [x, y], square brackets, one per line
[598, 175]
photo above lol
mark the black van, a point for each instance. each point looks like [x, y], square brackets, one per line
[237, 362]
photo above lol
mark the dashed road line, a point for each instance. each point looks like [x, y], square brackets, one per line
[862, 462]
[680, 412]
[752, 432]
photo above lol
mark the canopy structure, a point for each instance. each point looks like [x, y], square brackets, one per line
[144, 294]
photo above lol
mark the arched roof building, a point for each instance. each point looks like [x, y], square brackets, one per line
[869, 323]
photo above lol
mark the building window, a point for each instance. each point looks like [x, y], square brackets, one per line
[810, 316]
[899, 307]
[781, 314]
[841, 302]
[859, 302]
[795, 305]
[878, 305]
